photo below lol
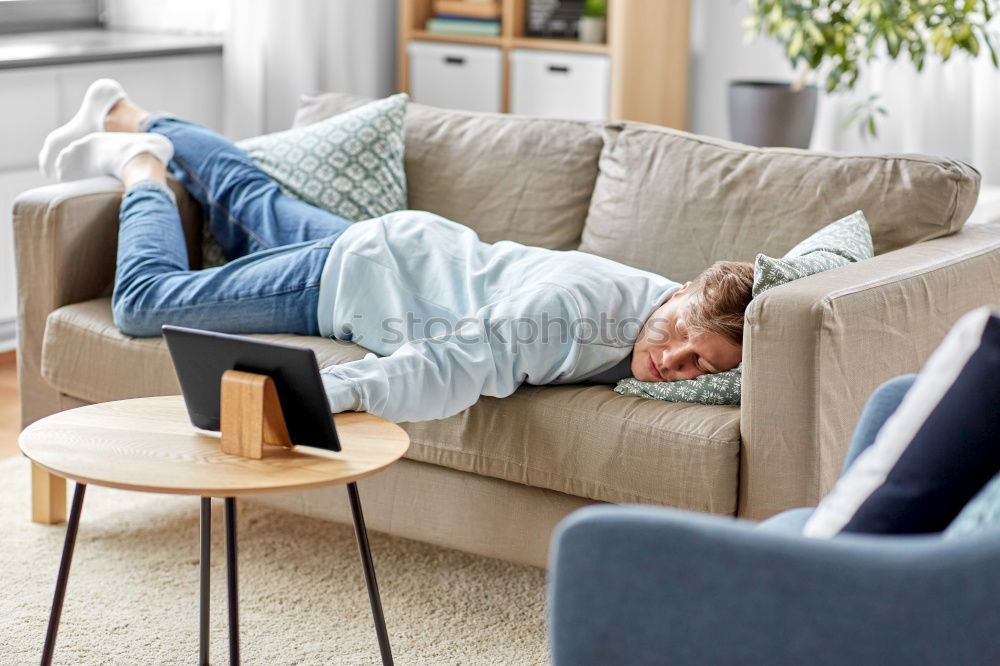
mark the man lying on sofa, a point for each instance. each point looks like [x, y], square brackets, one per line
[453, 317]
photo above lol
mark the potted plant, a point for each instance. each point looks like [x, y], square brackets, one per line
[593, 21]
[833, 39]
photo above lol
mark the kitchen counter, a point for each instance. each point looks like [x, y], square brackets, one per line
[57, 47]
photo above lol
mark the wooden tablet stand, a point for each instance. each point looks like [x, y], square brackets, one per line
[250, 415]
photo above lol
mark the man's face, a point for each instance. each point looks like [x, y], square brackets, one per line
[666, 351]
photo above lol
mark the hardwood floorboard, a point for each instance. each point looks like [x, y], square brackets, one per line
[10, 417]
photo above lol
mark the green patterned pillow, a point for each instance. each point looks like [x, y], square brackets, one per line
[847, 240]
[350, 164]
[842, 242]
[722, 388]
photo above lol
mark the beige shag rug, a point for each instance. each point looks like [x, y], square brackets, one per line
[133, 589]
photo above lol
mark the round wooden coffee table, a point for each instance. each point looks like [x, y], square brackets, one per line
[149, 444]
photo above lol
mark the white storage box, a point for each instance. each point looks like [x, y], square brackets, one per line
[553, 84]
[455, 76]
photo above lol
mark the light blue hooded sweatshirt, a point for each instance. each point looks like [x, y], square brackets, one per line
[454, 318]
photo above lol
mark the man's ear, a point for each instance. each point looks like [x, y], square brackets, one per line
[678, 292]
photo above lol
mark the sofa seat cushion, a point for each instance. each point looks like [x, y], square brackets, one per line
[582, 440]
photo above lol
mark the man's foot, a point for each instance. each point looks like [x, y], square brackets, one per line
[98, 100]
[107, 153]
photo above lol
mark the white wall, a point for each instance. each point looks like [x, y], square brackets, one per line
[719, 54]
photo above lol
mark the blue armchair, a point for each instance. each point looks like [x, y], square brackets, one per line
[645, 585]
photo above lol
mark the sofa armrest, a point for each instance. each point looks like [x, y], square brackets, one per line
[66, 239]
[815, 349]
[643, 585]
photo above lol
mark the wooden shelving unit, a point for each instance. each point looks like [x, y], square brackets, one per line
[424, 36]
[648, 44]
[556, 45]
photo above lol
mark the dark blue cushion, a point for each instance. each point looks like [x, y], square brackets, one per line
[953, 455]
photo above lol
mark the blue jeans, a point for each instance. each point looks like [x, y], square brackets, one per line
[276, 246]
[880, 406]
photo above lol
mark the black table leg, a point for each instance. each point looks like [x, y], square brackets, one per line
[231, 579]
[67, 558]
[366, 561]
[206, 560]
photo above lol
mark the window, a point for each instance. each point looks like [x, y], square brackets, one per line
[25, 15]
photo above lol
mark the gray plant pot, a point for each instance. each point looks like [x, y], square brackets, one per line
[770, 113]
[592, 29]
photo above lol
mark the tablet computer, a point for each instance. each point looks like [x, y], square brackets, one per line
[200, 357]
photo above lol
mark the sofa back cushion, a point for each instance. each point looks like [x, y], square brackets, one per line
[510, 178]
[673, 203]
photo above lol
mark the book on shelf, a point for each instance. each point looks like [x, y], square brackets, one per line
[465, 19]
[467, 9]
[464, 27]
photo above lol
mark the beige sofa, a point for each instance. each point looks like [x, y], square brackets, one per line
[496, 478]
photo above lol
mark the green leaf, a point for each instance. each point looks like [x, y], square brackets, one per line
[839, 37]
[893, 41]
[795, 46]
[993, 51]
[972, 45]
[814, 32]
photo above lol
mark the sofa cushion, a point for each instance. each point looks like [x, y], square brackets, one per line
[492, 172]
[85, 355]
[674, 203]
[582, 440]
[716, 388]
[350, 165]
[837, 244]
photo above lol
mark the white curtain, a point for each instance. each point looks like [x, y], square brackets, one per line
[947, 109]
[276, 50]
[190, 17]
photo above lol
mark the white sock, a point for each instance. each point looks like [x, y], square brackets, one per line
[106, 153]
[97, 101]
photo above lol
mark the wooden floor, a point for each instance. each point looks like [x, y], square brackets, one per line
[10, 417]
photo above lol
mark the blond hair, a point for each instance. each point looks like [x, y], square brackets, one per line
[719, 297]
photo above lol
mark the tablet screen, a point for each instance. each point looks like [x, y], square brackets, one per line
[200, 357]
